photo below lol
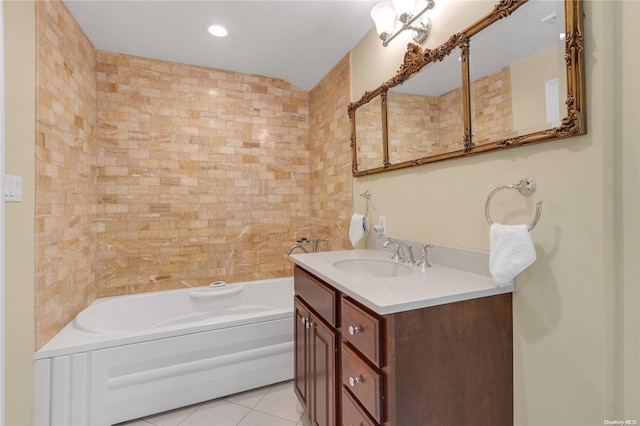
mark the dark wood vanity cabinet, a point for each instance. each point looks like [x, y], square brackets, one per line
[449, 364]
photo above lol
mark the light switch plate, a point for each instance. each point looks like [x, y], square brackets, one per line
[12, 188]
[382, 223]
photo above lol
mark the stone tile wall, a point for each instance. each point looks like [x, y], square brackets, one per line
[65, 170]
[202, 174]
[330, 158]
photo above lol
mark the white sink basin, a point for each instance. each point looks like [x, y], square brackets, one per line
[373, 267]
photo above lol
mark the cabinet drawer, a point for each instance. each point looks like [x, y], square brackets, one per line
[362, 330]
[352, 414]
[364, 382]
[320, 297]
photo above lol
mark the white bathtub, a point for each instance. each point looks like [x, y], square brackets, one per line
[130, 356]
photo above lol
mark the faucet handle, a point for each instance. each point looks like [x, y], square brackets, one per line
[316, 243]
[424, 262]
[396, 253]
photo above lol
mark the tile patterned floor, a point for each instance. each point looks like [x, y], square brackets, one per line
[274, 405]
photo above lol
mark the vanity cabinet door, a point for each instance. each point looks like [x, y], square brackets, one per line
[301, 345]
[322, 373]
[315, 365]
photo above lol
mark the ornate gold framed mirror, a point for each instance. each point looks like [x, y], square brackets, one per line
[513, 78]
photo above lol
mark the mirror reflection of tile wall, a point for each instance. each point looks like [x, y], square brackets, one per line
[491, 115]
[413, 126]
[369, 135]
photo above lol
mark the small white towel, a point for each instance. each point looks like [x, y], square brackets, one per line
[511, 251]
[359, 228]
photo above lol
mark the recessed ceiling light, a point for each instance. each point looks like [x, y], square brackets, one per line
[217, 30]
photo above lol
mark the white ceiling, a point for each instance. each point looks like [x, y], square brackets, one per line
[299, 41]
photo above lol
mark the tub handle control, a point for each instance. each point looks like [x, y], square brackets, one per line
[353, 381]
[353, 330]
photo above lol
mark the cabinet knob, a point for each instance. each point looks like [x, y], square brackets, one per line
[307, 322]
[353, 381]
[353, 330]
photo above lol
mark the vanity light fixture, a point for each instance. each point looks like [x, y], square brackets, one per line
[216, 30]
[385, 14]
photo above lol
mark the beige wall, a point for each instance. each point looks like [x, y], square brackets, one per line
[626, 204]
[19, 22]
[569, 323]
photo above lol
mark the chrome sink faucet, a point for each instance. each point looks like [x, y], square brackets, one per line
[407, 251]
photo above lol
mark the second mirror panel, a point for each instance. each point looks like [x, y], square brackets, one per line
[425, 115]
[517, 73]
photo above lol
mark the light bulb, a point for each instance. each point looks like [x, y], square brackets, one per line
[217, 30]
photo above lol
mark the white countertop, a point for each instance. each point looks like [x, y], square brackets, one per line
[384, 295]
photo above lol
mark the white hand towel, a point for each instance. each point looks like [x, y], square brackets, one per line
[511, 251]
[359, 226]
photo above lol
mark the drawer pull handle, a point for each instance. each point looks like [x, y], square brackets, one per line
[353, 330]
[304, 320]
[353, 381]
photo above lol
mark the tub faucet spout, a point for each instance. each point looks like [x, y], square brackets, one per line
[296, 246]
[314, 245]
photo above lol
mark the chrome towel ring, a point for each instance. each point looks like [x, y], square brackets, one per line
[526, 187]
[367, 196]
